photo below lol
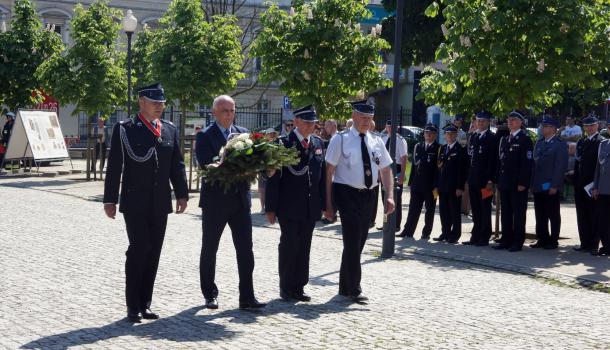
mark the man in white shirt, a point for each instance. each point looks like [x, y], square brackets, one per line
[354, 160]
[401, 158]
[570, 132]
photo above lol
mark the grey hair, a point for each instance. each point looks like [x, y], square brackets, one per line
[222, 98]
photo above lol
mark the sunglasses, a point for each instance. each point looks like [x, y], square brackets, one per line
[289, 124]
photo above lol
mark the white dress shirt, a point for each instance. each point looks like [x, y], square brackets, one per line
[401, 147]
[344, 152]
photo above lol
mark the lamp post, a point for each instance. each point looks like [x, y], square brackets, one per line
[130, 23]
[389, 229]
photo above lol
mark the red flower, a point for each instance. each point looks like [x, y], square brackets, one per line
[257, 136]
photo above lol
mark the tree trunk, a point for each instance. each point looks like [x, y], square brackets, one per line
[182, 127]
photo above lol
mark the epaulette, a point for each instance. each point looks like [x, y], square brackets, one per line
[126, 121]
[167, 122]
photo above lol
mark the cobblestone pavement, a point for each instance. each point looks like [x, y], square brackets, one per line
[62, 268]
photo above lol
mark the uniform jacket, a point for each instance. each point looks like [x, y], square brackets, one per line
[586, 159]
[483, 153]
[602, 170]
[550, 164]
[298, 197]
[145, 185]
[424, 167]
[6, 132]
[516, 162]
[209, 142]
[452, 168]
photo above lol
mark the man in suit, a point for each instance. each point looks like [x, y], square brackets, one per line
[100, 133]
[220, 207]
[514, 178]
[483, 151]
[584, 172]
[145, 157]
[550, 166]
[601, 194]
[421, 183]
[450, 180]
[295, 196]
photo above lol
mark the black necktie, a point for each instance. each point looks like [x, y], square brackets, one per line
[387, 144]
[366, 162]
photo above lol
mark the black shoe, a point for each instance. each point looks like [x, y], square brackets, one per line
[538, 244]
[514, 249]
[211, 303]
[286, 296]
[302, 297]
[550, 246]
[251, 304]
[133, 316]
[582, 249]
[500, 246]
[452, 241]
[469, 243]
[439, 238]
[360, 299]
[600, 252]
[425, 237]
[149, 315]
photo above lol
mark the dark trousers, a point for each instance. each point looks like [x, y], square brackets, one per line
[354, 206]
[145, 233]
[374, 205]
[416, 203]
[514, 209]
[215, 218]
[481, 216]
[546, 208]
[603, 208]
[100, 153]
[450, 207]
[294, 248]
[586, 219]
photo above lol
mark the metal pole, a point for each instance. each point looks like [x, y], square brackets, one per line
[129, 34]
[389, 230]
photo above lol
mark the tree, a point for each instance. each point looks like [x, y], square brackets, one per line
[195, 59]
[142, 73]
[421, 34]
[91, 74]
[22, 49]
[508, 54]
[319, 54]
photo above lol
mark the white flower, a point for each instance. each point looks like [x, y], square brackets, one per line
[306, 54]
[564, 28]
[357, 26]
[378, 28]
[472, 74]
[305, 75]
[291, 12]
[373, 32]
[337, 23]
[243, 137]
[541, 66]
[465, 41]
[445, 30]
[486, 26]
[221, 153]
[309, 14]
[248, 142]
[239, 145]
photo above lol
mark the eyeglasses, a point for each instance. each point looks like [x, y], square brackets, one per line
[289, 125]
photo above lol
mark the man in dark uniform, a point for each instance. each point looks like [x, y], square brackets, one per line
[401, 158]
[220, 207]
[514, 178]
[295, 196]
[450, 180]
[601, 193]
[584, 172]
[483, 151]
[354, 160]
[550, 166]
[421, 183]
[145, 157]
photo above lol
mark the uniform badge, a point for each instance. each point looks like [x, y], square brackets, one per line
[139, 124]
[159, 139]
[368, 172]
[318, 151]
[529, 154]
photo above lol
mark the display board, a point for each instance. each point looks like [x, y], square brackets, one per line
[36, 135]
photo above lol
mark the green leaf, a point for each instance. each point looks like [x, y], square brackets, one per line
[432, 10]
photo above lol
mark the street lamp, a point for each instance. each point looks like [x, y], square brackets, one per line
[130, 22]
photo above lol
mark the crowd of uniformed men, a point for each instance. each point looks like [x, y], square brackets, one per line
[342, 175]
